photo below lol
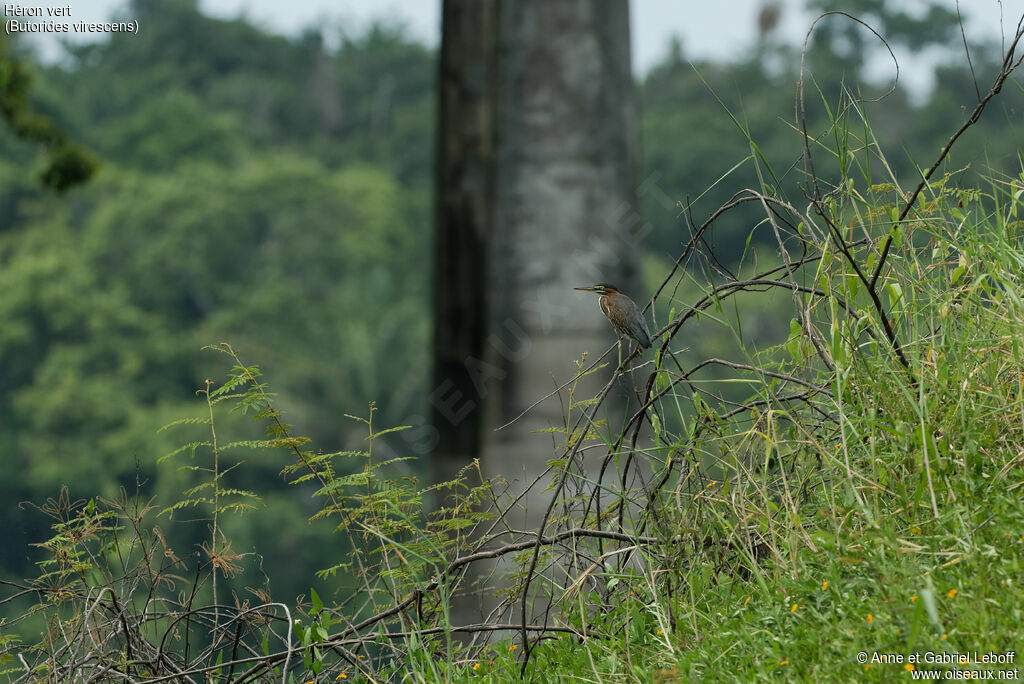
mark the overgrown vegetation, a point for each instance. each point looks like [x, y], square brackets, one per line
[274, 192]
[860, 491]
[864, 497]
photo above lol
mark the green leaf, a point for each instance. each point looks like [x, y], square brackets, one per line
[375, 435]
[895, 293]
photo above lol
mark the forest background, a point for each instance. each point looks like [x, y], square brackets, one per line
[275, 192]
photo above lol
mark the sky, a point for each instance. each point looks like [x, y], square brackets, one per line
[716, 30]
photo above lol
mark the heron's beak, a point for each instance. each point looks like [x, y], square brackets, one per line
[586, 289]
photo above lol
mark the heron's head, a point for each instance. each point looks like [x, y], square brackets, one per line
[601, 289]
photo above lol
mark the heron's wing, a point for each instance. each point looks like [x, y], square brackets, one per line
[638, 331]
[635, 324]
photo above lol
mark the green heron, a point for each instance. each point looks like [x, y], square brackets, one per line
[625, 316]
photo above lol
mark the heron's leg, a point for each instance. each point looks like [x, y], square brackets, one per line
[619, 367]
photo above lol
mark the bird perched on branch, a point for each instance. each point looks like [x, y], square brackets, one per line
[625, 316]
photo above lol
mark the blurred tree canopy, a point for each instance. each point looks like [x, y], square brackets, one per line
[274, 192]
[254, 188]
[690, 141]
[67, 164]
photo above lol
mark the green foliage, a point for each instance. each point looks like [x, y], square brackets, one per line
[69, 564]
[231, 91]
[877, 505]
[683, 96]
[932, 24]
[68, 164]
[895, 529]
[877, 508]
[110, 294]
[104, 548]
[313, 636]
[274, 192]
